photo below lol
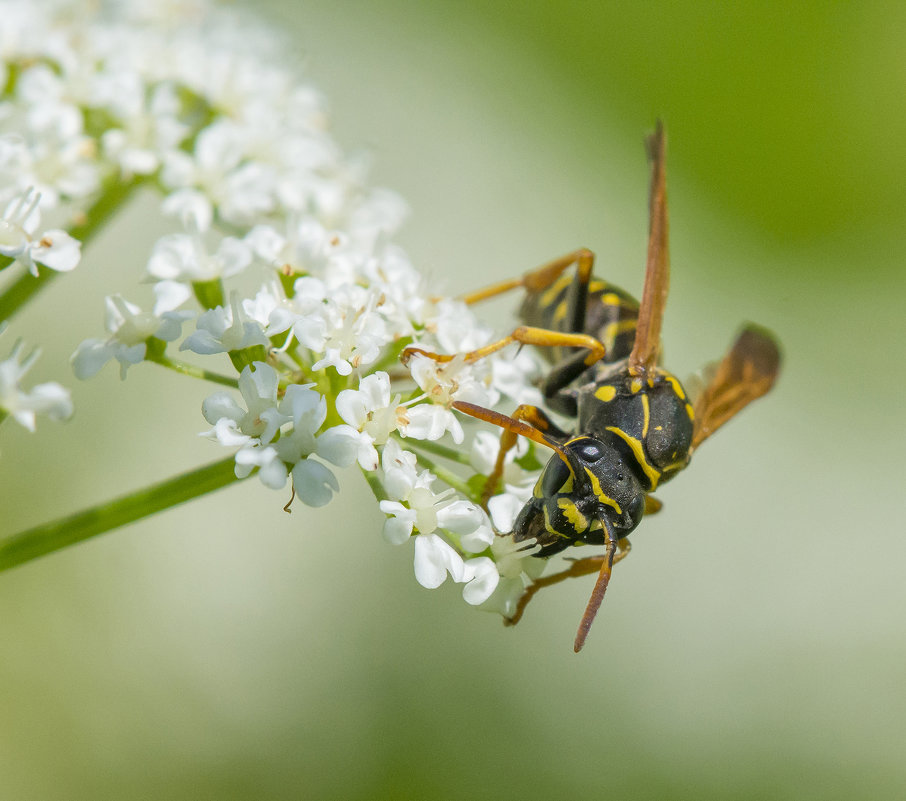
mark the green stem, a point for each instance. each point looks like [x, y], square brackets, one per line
[437, 449]
[50, 537]
[193, 371]
[377, 488]
[25, 287]
[448, 477]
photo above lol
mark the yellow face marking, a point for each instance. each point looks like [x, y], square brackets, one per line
[571, 512]
[646, 415]
[597, 286]
[556, 288]
[690, 411]
[639, 452]
[536, 492]
[560, 312]
[606, 393]
[548, 526]
[599, 493]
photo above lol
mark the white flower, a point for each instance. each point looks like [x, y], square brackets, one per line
[306, 247]
[184, 257]
[149, 128]
[54, 248]
[314, 482]
[485, 579]
[355, 333]
[301, 315]
[371, 412]
[514, 561]
[443, 383]
[130, 328]
[434, 559]
[417, 508]
[222, 330]
[259, 420]
[239, 187]
[50, 399]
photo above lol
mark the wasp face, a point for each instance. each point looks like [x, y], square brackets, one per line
[573, 498]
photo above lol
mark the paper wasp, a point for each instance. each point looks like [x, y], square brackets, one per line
[635, 426]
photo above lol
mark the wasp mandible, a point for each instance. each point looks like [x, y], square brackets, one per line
[635, 426]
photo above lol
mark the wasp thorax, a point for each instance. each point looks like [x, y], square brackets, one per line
[574, 497]
[648, 420]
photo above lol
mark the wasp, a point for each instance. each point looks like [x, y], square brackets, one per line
[635, 425]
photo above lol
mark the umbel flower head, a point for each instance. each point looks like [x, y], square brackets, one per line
[279, 261]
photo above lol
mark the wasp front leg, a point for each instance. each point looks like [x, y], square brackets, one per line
[578, 567]
[536, 418]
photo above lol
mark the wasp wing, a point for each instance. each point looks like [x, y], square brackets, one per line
[647, 344]
[746, 373]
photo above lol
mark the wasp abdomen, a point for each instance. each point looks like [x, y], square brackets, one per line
[610, 315]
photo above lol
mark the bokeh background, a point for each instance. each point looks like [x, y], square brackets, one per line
[754, 644]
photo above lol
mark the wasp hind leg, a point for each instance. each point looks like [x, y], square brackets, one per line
[546, 277]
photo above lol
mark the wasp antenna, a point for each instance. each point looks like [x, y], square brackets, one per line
[597, 594]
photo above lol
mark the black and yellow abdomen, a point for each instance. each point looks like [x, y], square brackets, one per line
[610, 315]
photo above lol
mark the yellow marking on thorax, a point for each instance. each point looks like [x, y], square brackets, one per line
[674, 382]
[635, 385]
[690, 411]
[571, 512]
[599, 493]
[646, 415]
[639, 452]
[606, 393]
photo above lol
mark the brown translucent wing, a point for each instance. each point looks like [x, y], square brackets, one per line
[647, 345]
[746, 373]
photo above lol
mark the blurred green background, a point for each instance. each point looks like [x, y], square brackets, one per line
[752, 647]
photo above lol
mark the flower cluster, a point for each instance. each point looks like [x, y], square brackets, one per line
[280, 262]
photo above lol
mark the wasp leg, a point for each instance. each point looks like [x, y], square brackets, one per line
[534, 417]
[579, 567]
[524, 335]
[544, 277]
[652, 505]
[516, 427]
[555, 385]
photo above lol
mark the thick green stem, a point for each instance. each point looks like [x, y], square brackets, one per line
[24, 288]
[50, 537]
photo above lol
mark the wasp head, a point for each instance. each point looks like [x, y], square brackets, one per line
[583, 484]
